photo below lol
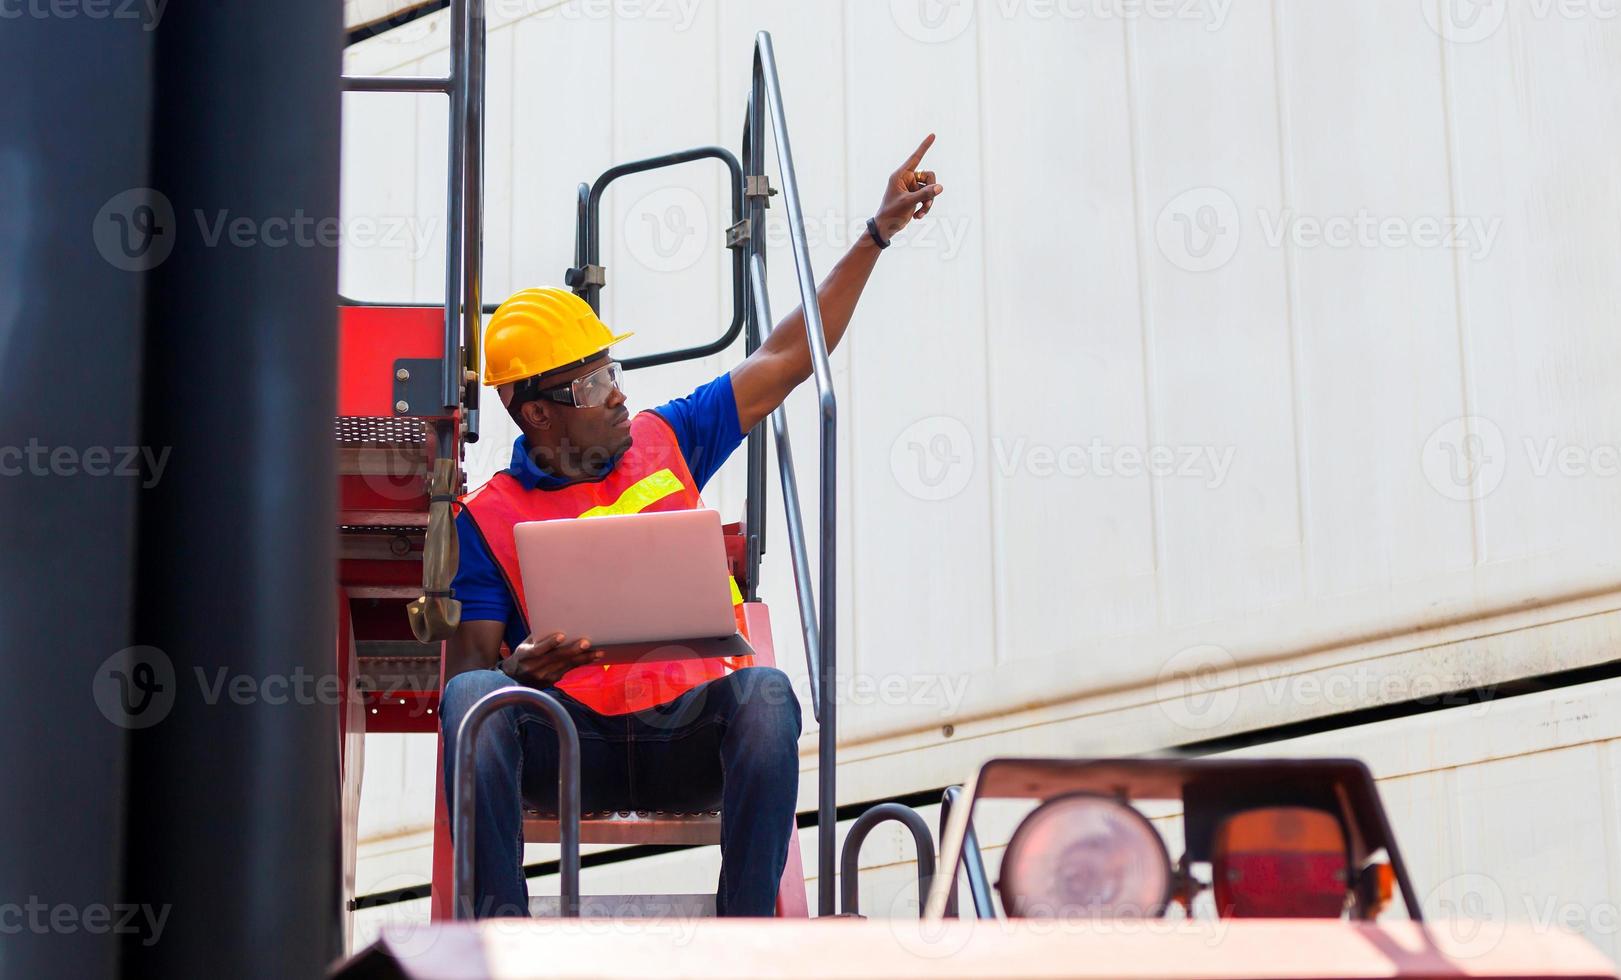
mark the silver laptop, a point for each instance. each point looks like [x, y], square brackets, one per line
[642, 587]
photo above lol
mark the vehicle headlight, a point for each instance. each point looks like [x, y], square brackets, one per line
[1085, 855]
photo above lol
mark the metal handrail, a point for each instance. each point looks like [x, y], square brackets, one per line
[753, 154]
[396, 83]
[582, 239]
[588, 245]
[434, 614]
[464, 203]
[766, 94]
[850, 865]
[979, 883]
[466, 795]
[471, 120]
[808, 623]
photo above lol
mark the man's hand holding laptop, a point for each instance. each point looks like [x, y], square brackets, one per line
[541, 661]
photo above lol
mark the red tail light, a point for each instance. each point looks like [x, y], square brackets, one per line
[1280, 863]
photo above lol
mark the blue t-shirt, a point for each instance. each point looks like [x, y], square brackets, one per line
[706, 429]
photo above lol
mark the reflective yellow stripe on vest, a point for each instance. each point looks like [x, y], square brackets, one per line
[645, 493]
[640, 495]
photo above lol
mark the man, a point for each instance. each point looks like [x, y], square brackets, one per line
[678, 735]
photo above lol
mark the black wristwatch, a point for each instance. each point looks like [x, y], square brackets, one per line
[877, 237]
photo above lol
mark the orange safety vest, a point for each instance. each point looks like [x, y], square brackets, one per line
[651, 476]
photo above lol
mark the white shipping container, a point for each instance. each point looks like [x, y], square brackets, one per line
[1255, 367]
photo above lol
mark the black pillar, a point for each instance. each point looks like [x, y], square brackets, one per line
[73, 135]
[233, 797]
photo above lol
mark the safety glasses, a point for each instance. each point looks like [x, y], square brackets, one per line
[591, 391]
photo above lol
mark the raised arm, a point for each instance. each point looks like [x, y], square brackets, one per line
[766, 377]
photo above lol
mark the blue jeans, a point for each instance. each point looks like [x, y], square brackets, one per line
[731, 743]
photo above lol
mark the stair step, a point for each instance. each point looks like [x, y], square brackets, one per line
[629, 827]
[397, 542]
[629, 906]
[396, 665]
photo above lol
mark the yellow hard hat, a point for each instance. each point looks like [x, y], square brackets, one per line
[540, 330]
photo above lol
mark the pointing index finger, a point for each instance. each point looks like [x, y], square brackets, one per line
[917, 155]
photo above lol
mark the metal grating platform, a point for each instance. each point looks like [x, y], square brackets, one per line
[368, 430]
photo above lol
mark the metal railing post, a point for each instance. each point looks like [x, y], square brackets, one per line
[463, 822]
[464, 200]
[582, 212]
[979, 886]
[808, 623]
[464, 237]
[588, 245]
[754, 248]
[850, 865]
[464, 369]
[395, 83]
[766, 83]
